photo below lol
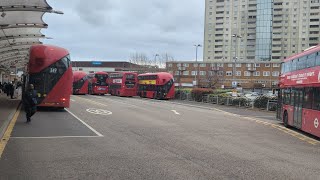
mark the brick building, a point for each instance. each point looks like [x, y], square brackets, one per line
[248, 75]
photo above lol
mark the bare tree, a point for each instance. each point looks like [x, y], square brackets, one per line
[210, 80]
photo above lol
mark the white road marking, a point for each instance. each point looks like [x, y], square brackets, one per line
[175, 112]
[54, 137]
[97, 133]
[99, 111]
[72, 100]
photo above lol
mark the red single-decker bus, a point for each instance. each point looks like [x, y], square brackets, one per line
[156, 85]
[123, 84]
[299, 99]
[50, 72]
[98, 84]
[80, 82]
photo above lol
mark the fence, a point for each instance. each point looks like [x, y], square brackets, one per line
[261, 102]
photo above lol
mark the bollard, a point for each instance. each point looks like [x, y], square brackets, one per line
[227, 101]
[268, 105]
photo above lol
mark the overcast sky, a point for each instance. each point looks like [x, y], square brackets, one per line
[114, 29]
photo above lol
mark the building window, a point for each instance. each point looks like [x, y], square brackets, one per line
[203, 65]
[170, 65]
[186, 73]
[220, 73]
[257, 65]
[193, 73]
[219, 65]
[267, 65]
[238, 73]
[247, 73]
[179, 65]
[266, 73]
[195, 65]
[203, 73]
[185, 65]
[275, 73]
[229, 73]
[248, 65]
[238, 65]
[256, 73]
[276, 65]
[230, 65]
[177, 73]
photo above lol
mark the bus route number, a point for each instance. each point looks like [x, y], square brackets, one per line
[53, 70]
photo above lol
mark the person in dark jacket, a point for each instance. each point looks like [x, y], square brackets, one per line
[11, 89]
[29, 99]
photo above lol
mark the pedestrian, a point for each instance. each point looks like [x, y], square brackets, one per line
[11, 89]
[7, 87]
[29, 99]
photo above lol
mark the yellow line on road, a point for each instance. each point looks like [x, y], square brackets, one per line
[7, 134]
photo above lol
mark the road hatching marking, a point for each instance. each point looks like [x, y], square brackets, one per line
[99, 111]
[175, 112]
[7, 134]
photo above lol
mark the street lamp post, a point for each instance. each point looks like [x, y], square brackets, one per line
[197, 71]
[236, 56]
[155, 60]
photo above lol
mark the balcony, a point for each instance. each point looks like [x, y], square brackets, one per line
[276, 48]
[216, 68]
[252, 69]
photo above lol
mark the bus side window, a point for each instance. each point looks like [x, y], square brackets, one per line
[316, 100]
[318, 59]
[293, 93]
[308, 98]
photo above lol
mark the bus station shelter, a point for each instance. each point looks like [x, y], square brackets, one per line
[20, 27]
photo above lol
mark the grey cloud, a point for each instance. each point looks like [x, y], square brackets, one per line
[111, 30]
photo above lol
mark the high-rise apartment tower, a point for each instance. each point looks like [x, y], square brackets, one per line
[259, 30]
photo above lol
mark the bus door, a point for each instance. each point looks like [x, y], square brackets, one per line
[297, 109]
[279, 104]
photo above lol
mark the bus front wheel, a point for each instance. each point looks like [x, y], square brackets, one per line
[285, 119]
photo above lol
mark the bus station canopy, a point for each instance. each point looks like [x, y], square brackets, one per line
[20, 25]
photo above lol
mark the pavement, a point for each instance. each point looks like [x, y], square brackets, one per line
[7, 109]
[107, 137]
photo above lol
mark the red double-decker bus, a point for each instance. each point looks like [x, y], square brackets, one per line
[156, 85]
[50, 71]
[98, 84]
[299, 100]
[123, 84]
[80, 82]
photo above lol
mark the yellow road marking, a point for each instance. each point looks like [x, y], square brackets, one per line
[275, 126]
[7, 134]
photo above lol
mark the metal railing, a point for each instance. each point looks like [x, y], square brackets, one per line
[269, 105]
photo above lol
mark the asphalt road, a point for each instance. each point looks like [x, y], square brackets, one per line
[106, 137]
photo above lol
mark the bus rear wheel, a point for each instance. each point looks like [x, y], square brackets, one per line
[285, 119]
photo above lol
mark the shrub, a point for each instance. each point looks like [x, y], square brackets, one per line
[242, 101]
[262, 101]
[197, 93]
